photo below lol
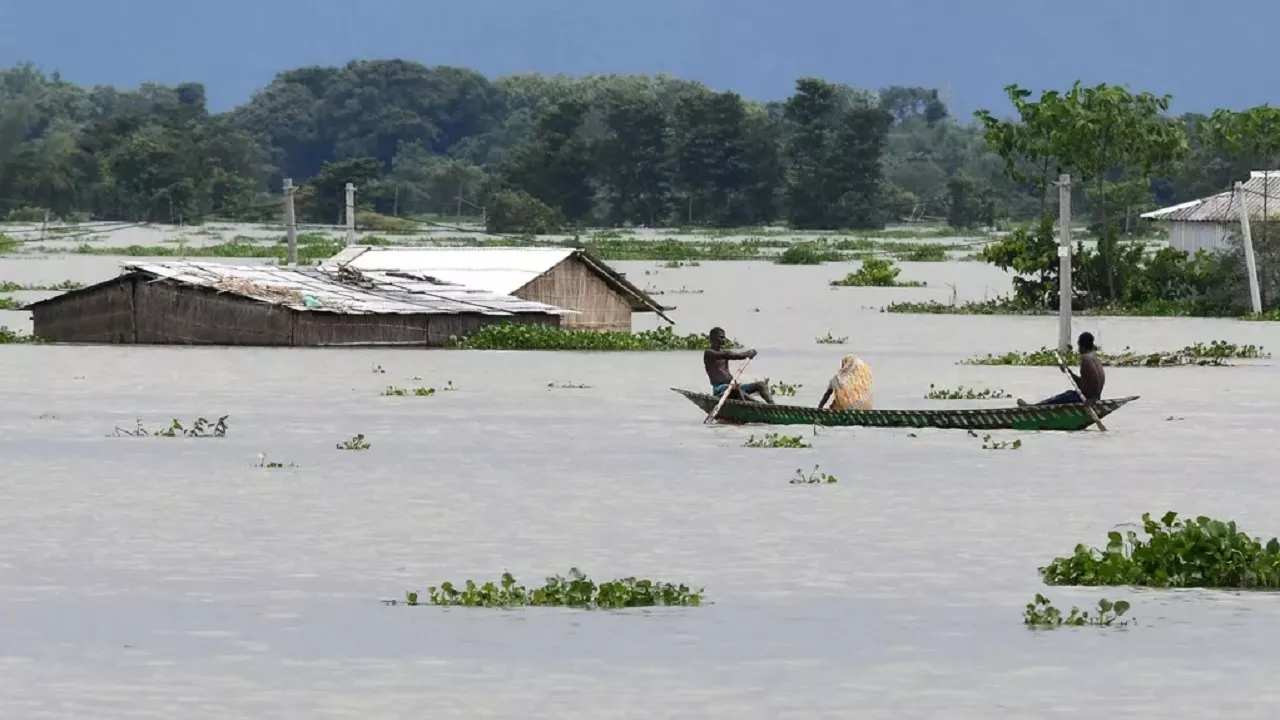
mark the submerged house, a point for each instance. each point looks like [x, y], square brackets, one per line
[1209, 223]
[198, 303]
[602, 298]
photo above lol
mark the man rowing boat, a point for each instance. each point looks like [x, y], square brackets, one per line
[716, 361]
[1090, 380]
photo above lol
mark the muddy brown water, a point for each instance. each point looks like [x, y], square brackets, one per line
[154, 577]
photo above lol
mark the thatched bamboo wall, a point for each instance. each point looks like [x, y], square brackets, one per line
[136, 309]
[172, 314]
[102, 315]
[573, 286]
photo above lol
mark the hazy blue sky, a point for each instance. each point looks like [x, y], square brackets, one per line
[1206, 54]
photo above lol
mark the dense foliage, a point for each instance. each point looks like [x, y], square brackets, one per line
[606, 149]
[1175, 553]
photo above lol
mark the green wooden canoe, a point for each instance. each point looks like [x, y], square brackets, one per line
[1030, 417]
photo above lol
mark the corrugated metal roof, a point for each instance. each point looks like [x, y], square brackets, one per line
[498, 269]
[1259, 192]
[501, 270]
[349, 293]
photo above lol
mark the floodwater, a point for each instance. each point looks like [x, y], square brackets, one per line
[163, 578]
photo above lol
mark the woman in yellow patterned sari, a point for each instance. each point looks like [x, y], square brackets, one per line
[850, 389]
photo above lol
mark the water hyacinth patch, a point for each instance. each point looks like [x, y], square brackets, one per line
[1041, 614]
[575, 591]
[964, 393]
[201, 428]
[357, 442]
[1214, 354]
[815, 477]
[508, 336]
[1199, 553]
[774, 440]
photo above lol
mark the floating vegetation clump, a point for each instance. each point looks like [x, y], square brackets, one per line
[393, 391]
[1215, 353]
[682, 290]
[567, 386]
[8, 303]
[813, 477]
[201, 428]
[377, 370]
[830, 339]
[263, 462]
[1199, 553]
[782, 389]
[507, 336]
[574, 591]
[1041, 614]
[876, 272]
[774, 440]
[672, 264]
[990, 444]
[964, 393]
[357, 442]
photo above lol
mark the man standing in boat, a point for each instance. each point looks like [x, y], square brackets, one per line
[1090, 380]
[716, 360]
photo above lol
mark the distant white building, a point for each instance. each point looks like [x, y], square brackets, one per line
[1207, 224]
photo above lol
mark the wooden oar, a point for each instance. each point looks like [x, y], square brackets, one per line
[1087, 405]
[732, 384]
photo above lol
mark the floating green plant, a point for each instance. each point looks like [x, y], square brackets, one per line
[807, 253]
[774, 440]
[393, 391]
[782, 389]
[357, 442]
[263, 462]
[1215, 353]
[567, 386]
[574, 591]
[377, 370]
[991, 444]
[507, 336]
[201, 428]
[8, 303]
[812, 478]
[672, 264]
[830, 339]
[964, 393]
[1200, 553]
[1041, 614]
[682, 290]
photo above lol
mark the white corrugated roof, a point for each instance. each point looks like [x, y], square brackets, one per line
[357, 293]
[1262, 197]
[496, 269]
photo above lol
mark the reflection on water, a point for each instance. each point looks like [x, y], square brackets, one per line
[154, 577]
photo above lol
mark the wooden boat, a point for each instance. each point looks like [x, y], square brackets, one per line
[1029, 417]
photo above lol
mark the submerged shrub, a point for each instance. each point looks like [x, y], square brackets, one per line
[1199, 553]
[875, 272]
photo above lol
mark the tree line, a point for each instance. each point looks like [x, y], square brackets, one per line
[536, 152]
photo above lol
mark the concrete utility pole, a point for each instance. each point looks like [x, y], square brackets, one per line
[1064, 264]
[351, 214]
[290, 223]
[1255, 297]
